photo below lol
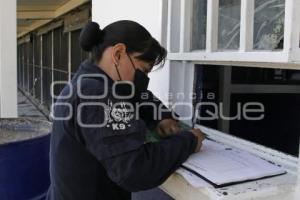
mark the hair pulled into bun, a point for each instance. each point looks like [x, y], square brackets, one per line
[90, 36]
[133, 35]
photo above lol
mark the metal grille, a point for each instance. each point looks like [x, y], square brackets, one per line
[37, 67]
[60, 45]
[30, 67]
[25, 64]
[19, 65]
[78, 55]
[47, 68]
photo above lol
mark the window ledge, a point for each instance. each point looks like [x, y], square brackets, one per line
[279, 187]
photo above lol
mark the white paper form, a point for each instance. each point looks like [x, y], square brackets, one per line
[221, 164]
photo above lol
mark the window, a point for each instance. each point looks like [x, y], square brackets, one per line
[231, 30]
[175, 26]
[269, 24]
[229, 24]
[199, 16]
[276, 90]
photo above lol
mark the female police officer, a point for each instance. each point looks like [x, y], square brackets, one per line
[98, 148]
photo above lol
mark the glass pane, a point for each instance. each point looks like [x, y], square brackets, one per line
[175, 26]
[199, 24]
[280, 125]
[229, 24]
[269, 24]
[265, 76]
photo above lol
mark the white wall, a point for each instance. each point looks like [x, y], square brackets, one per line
[8, 59]
[149, 13]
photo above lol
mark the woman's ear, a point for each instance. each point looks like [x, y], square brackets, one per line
[117, 51]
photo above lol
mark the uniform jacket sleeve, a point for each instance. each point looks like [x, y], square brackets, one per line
[151, 164]
[149, 110]
[130, 162]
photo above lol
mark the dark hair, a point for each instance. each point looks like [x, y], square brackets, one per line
[133, 35]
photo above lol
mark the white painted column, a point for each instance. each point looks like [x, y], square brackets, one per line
[247, 25]
[185, 25]
[292, 30]
[8, 59]
[291, 45]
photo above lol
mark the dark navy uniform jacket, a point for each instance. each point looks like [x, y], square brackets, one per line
[98, 147]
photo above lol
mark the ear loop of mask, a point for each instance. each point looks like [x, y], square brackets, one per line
[132, 64]
[118, 72]
[131, 61]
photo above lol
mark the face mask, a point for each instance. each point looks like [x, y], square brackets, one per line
[140, 84]
[140, 81]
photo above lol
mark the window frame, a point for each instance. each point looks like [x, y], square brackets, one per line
[289, 55]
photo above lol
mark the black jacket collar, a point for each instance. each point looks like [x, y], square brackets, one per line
[88, 67]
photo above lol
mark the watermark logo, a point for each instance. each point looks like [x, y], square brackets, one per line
[118, 111]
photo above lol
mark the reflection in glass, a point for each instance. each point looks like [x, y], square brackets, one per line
[269, 24]
[229, 24]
